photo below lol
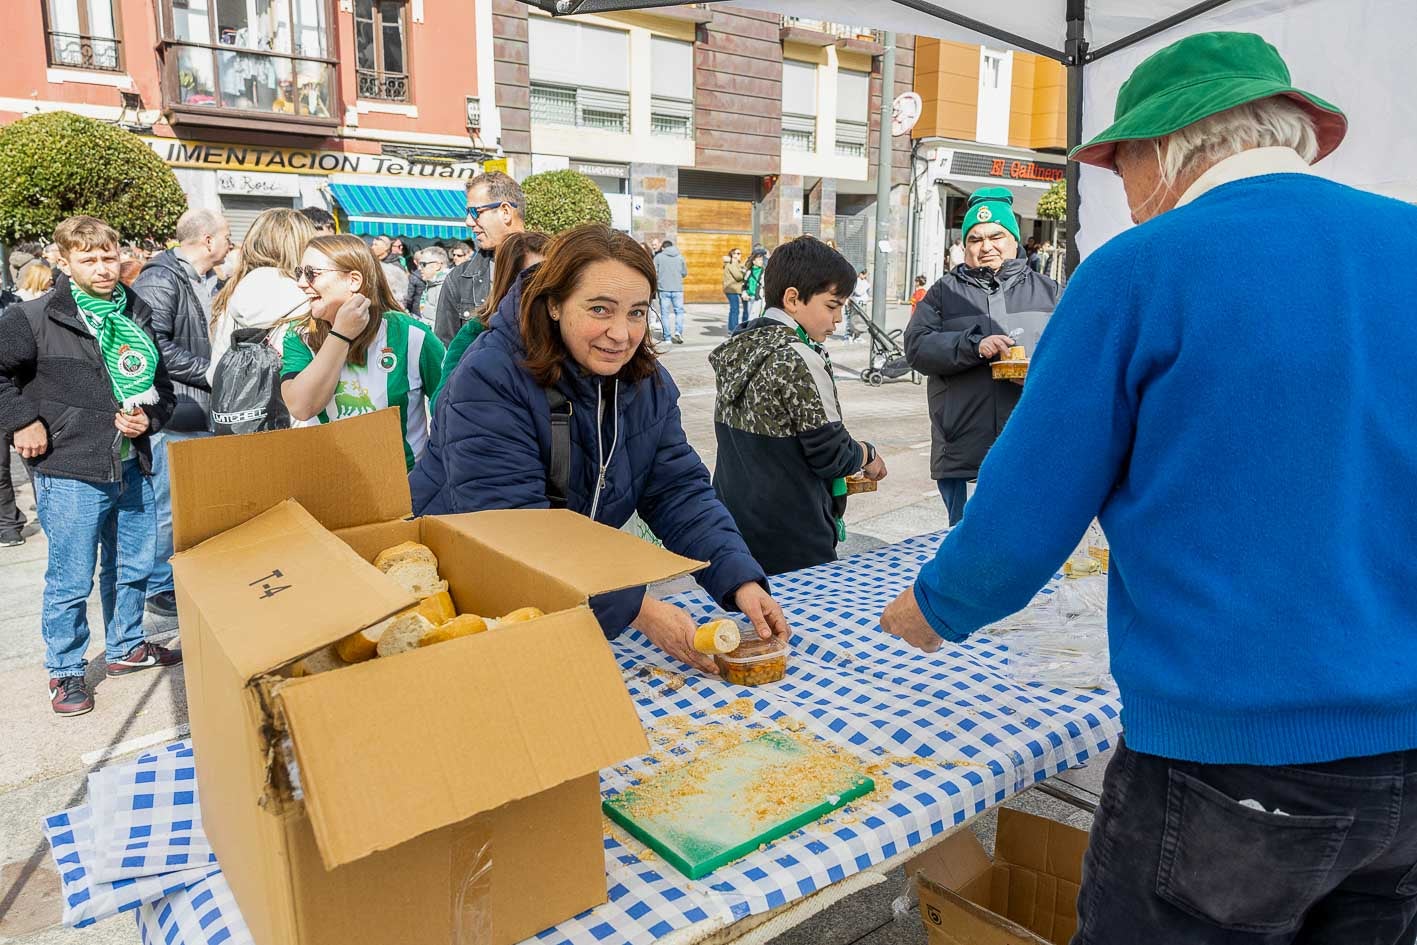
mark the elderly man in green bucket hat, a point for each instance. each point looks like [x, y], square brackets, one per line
[1245, 433]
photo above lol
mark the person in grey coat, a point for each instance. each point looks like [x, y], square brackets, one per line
[670, 269]
[958, 329]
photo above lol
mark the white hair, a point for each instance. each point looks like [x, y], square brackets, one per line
[430, 253]
[1274, 122]
[198, 223]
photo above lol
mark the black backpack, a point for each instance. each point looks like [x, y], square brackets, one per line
[246, 386]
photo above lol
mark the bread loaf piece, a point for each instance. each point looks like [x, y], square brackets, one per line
[403, 633]
[521, 615]
[407, 551]
[361, 646]
[321, 661]
[438, 608]
[464, 625]
[419, 578]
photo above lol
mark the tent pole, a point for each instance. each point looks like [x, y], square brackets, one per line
[1076, 56]
[884, 154]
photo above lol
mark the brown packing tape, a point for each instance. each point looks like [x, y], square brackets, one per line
[471, 889]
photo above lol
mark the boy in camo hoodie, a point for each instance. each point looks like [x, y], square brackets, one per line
[783, 452]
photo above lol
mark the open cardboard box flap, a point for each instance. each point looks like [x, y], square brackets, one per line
[281, 586]
[344, 474]
[607, 560]
[394, 748]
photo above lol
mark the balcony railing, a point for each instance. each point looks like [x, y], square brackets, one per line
[385, 86]
[76, 51]
[839, 30]
[580, 108]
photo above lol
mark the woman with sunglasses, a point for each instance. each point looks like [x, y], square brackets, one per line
[359, 352]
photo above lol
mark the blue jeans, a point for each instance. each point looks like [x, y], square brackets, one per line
[733, 303]
[1201, 854]
[160, 581]
[954, 492]
[674, 301]
[82, 519]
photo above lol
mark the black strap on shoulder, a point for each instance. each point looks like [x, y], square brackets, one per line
[558, 472]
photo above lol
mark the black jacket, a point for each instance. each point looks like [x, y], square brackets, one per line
[466, 288]
[781, 444]
[183, 336]
[968, 408]
[51, 370]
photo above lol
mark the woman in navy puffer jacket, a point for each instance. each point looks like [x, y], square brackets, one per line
[578, 323]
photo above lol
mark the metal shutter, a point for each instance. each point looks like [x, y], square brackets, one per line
[710, 186]
[241, 212]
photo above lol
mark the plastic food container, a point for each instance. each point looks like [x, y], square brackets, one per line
[1009, 370]
[756, 662]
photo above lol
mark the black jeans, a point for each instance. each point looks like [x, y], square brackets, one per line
[10, 514]
[1246, 855]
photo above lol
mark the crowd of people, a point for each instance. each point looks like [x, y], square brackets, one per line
[1264, 784]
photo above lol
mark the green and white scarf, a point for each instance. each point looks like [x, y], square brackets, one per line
[128, 353]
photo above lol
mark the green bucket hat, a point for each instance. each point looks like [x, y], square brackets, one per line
[1200, 76]
[991, 205]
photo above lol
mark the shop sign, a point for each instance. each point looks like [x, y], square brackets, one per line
[619, 171]
[245, 157]
[1004, 168]
[245, 184]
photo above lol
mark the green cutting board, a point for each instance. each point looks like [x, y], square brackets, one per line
[706, 813]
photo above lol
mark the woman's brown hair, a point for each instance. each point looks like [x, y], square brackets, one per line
[569, 254]
[508, 264]
[349, 254]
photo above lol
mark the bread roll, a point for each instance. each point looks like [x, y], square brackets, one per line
[521, 615]
[717, 636]
[403, 633]
[407, 551]
[361, 646]
[419, 578]
[321, 661]
[438, 608]
[464, 625]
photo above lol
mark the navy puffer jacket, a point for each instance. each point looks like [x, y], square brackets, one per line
[490, 447]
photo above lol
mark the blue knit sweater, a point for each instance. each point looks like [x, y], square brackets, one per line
[1246, 430]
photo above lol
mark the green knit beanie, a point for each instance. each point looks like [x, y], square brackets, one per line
[991, 205]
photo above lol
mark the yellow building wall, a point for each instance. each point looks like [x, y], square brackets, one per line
[947, 81]
[1038, 114]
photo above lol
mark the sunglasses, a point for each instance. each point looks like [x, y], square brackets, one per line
[310, 273]
[474, 212]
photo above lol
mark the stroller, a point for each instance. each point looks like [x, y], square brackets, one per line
[886, 361]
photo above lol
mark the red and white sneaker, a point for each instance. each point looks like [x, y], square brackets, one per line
[144, 656]
[70, 696]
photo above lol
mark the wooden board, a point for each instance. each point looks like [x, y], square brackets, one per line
[707, 230]
[724, 806]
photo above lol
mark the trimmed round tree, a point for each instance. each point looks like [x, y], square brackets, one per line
[559, 200]
[58, 164]
[1053, 205]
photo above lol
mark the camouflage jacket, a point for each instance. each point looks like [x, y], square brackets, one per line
[782, 446]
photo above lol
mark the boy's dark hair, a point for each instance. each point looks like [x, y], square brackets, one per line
[319, 216]
[809, 266]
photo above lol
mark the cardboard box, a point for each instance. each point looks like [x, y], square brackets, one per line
[1027, 895]
[446, 795]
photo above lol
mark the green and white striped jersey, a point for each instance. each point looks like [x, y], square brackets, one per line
[403, 370]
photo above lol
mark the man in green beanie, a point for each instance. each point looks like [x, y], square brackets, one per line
[1244, 432]
[958, 328]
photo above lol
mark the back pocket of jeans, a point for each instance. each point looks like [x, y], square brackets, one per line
[1243, 869]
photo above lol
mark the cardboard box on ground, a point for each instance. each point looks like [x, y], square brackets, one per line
[445, 795]
[1027, 895]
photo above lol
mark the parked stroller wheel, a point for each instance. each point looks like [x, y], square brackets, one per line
[875, 378]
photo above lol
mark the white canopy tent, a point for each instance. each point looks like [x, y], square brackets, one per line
[1357, 54]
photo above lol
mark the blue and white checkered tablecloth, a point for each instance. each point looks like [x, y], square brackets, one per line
[946, 736]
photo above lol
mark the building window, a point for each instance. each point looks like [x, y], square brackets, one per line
[580, 75]
[258, 56]
[853, 115]
[83, 34]
[799, 106]
[381, 48]
[580, 108]
[672, 87]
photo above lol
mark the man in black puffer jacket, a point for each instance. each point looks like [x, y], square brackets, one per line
[178, 286]
[83, 390]
[959, 328]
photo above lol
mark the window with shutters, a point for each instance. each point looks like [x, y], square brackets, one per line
[799, 106]
[580, 75]
[853, 103]
[83, 34]
[381, 49]
[672, 87]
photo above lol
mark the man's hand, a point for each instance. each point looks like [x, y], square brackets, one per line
[131, 425]
[875, 470]
[759, 607]
[672, 630]
[903, 619]
[32, 441]
[994, 346]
